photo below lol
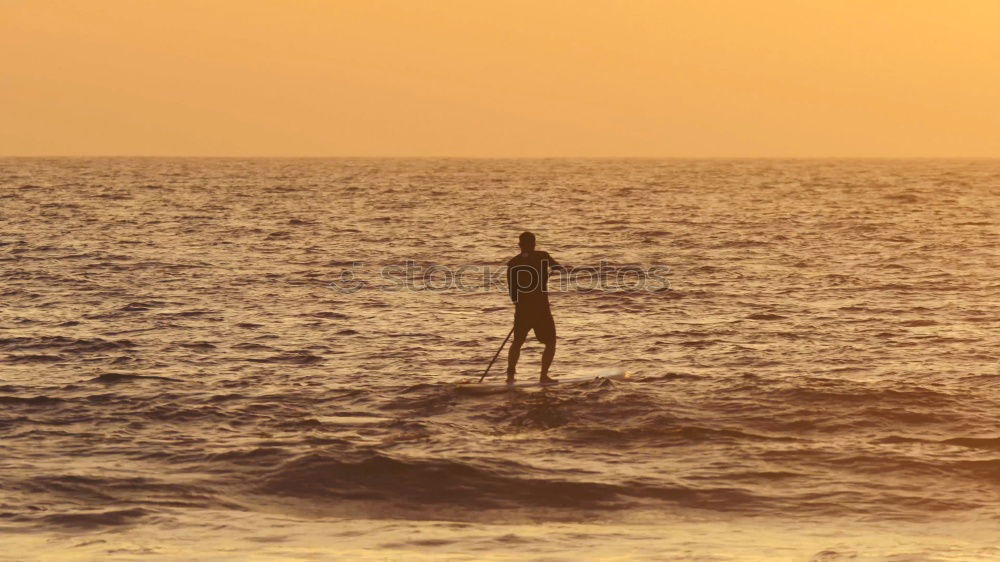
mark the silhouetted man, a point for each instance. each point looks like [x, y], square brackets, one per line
[527, 280]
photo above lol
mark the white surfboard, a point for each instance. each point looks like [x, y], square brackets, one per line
[499, 384]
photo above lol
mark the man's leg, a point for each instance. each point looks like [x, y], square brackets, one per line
[513, 354]
[547, 356]
[546, 333]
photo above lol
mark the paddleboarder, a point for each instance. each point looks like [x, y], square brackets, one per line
[527, 281]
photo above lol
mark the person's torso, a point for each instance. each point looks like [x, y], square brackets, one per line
[529, 273]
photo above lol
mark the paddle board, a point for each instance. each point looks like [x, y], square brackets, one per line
[500, 383]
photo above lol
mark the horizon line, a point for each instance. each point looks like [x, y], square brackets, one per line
[447, 157]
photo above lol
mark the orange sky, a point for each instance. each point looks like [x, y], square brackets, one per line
[502, 78]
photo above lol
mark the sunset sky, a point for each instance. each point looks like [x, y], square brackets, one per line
[506, 78]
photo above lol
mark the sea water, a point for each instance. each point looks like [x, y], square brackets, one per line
[255, 359]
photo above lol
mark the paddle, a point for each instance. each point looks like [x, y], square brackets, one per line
[497, 355]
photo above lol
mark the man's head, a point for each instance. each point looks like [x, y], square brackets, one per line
[526, 241]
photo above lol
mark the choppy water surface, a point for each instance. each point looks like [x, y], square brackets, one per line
[180, 380]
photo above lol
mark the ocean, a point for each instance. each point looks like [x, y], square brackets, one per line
[262, 359]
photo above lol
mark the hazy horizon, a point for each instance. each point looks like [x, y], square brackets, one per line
[450, 157]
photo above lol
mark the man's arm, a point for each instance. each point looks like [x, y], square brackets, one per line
[511, 289]
[554, 265]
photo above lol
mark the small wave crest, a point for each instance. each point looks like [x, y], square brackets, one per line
[417, 483]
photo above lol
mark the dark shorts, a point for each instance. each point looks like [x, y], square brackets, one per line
[538, 319]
